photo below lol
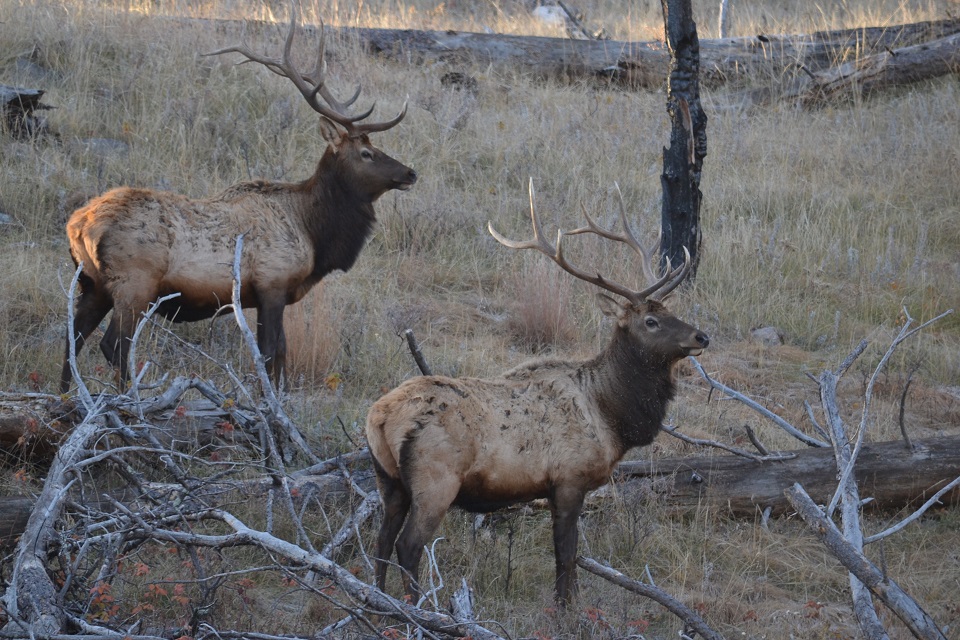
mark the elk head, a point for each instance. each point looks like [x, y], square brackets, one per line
[363, 166]
[662, 337]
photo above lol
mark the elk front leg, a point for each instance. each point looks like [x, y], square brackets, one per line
[92, 307]
[271, 338]
[565, 505]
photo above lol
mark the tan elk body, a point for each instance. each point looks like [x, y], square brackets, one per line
[550, 429]
[137, 245]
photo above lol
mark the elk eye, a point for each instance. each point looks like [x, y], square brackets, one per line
[652, 323]
[366, 154]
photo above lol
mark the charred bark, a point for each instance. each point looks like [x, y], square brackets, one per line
[18, 107]
[683, 159]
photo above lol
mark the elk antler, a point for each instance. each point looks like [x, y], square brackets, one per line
[659, 287]
[311, 85]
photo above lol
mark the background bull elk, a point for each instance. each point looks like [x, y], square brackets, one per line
[137, 245]
[549, 429]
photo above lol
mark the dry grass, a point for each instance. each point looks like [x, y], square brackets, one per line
[825, 224]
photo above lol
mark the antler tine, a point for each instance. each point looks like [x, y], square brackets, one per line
[628, 237]
[675, 276]
[313, 84]
[556, 254]
[538, 242]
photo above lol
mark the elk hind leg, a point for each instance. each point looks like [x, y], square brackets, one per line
[426, 514]
[396, 505]
[115, 344]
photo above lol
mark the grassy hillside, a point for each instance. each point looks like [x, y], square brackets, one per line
[825, 224]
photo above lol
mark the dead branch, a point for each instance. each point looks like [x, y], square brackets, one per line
[777, 420]
[273, 402]
[363, 594]
[677, 608]
[417, 354]
[31, 595]
[921, 625]
[847, 450]
[737, 451]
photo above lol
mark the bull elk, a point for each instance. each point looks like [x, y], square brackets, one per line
[548, 428]
[137, 245]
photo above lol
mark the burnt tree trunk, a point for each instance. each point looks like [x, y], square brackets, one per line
[17, 111]
[889, 473]
[683, 160]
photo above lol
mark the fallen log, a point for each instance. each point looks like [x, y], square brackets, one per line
[888, 473]
[870, 74]
[773, 58]
[645, 64]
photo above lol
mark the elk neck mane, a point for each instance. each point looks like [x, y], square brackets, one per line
[338, 219]
[633, 389]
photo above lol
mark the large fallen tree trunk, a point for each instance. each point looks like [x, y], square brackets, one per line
[645, 64]
[776, 58]
[892, 68]
[888, 472]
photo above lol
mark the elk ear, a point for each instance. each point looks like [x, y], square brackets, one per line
[611, 307]
[330, 133]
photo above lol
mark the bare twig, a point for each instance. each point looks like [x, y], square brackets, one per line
[677, 608]
[903, 407]
[360, 591]
[777, 420]
[417, 354]
[726, 447]
[934, 499]
[269, 394]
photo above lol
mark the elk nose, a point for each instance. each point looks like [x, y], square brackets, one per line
[412, 177]
[703, 340]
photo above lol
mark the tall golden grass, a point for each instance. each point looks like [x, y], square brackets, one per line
[825, 224]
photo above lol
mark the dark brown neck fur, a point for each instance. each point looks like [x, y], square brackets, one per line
[337, 218]
[633, 389]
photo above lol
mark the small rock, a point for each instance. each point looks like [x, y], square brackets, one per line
[768, 336]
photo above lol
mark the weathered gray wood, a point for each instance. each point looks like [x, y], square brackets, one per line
[31, 595]
[920, 623]
[770, 58]
[645, 64]
[870, 74]
[886, 472]
[15, 510]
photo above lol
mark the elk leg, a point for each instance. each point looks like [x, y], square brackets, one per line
[92, 307]
[127, 310]
[271, 339]
[565, 505]
[425, 517]
[115, 343]
[396, 504]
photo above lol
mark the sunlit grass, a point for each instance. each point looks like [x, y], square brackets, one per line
[825, 224]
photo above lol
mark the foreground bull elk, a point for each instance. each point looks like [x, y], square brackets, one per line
[549, 429]
[137, 245]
